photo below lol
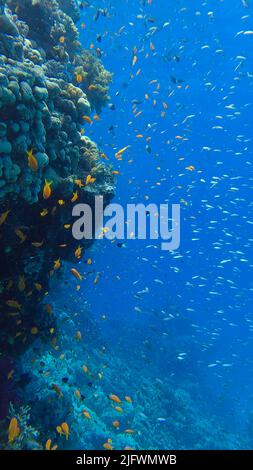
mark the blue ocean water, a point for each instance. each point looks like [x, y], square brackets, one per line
[171, 330]
[206, 285]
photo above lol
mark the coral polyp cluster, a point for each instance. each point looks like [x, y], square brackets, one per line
[44, 156]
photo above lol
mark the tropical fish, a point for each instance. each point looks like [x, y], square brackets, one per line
[65, 430]
[90, 180]
[20, 235]
[10, 374]
[57, 389]
[21, 283]
[190, 168]
[92, 87]
[76, 274]
[14, 430]
[119, 409]
[38, 286]
[48, 445]
[34, 330]
[87, 119]
[85, 369]
[86, 414]
[75, 196]
[78, 252]
[128, 399]
[79, 78]
[4, 216]
[13, 304]
[114, 398]
[49, 308]
[96, 278]
[107, 446]
[79, 336]
[59, 430]
[47, 191]
[78, 394]
[57, 264]
[37, 244]
[121, 151]
[44, 212]
[78, 183]
[32, 160]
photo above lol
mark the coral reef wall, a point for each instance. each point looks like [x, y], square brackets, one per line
[49, 85]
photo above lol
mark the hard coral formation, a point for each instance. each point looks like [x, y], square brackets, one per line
[41, 115]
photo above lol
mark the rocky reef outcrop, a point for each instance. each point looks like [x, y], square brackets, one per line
[49, 85]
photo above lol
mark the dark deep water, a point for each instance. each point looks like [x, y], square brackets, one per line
[172, 330]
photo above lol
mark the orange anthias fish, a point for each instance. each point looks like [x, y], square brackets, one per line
[114, 398]
[34, 330]
[4, 216]
[47, 191]
[78, 336]
[57, 264]
[14, 430]
[65, 429]
[57, 389]
[116, 424]
[13, 304]
[21, 283]
[190, 168]
[78, 252]
[78, 394]
[79, 183]
[32, 160]
[20, 235]
[49, 308]
[87, 119]
[38, 286]
[10, 374]
[104, 156]
[75, 196]
[135, 58]
[85, 369]
[107, 446]
[48, 445]
[79, 78]
[119, 409]
[128, 399]
[121, 151]
[90, 180]
[86, 414]
[76, 274]
[59, 430]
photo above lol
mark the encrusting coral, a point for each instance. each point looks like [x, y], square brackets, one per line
[43, 151]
